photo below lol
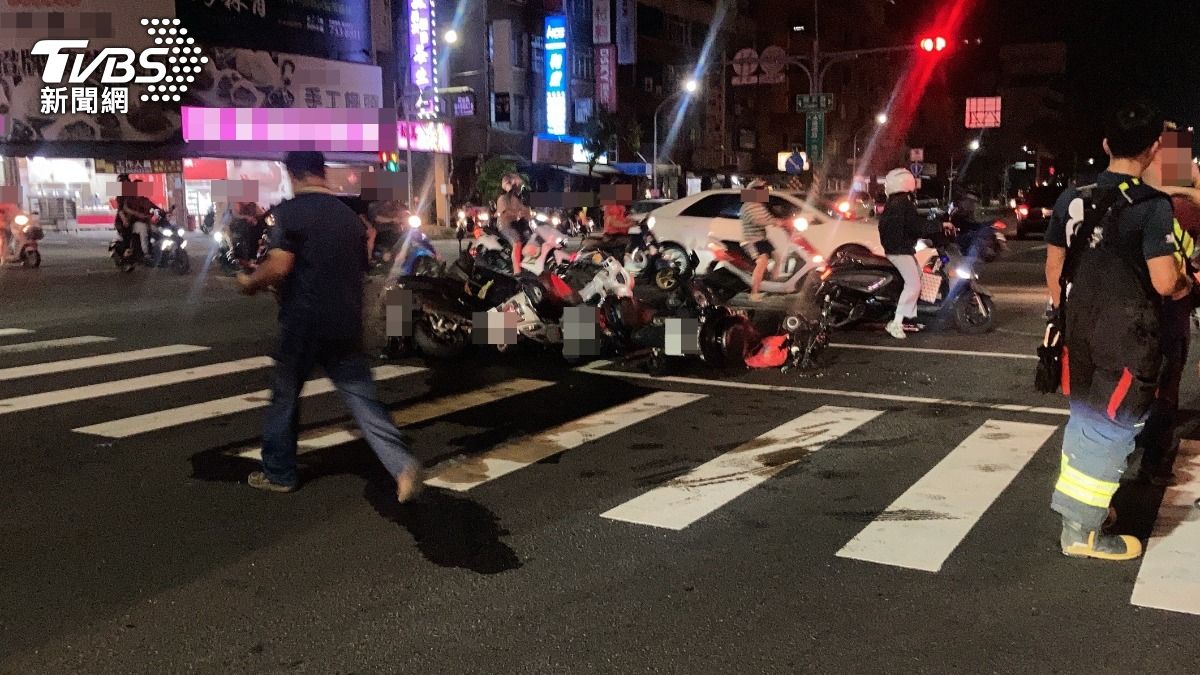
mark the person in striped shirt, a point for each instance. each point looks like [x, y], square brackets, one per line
[756, 218]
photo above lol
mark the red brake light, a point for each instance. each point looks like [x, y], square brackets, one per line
[999, 225]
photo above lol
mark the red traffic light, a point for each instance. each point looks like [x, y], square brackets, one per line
[933, 44]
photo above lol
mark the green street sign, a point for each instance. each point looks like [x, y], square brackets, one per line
[810, 103]
[814, 127]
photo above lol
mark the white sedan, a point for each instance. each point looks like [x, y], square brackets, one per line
[691, 222]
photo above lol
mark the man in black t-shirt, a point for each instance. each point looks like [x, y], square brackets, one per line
[1112, 357]
[316, 260]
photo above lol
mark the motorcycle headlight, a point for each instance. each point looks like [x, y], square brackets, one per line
[462, 215]
[484, 217]
[21, 219]
[962, 272]
[168, 232]
[167, 244]
[555, 221]
[801, 224]
[414, 221]
[541, 218]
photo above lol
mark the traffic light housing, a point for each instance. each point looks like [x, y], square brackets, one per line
[933, 44]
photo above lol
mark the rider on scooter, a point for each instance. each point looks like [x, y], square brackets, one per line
[134, 217]
[900, 227]
[756, 218]
[509, 210]
[971, 233]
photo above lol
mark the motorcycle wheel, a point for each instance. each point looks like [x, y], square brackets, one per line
[180, 262]
[676, 256]
[974, 314]
[446, 346]
[32, 259]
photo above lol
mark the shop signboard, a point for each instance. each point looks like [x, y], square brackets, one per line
[626, 32]
[328, 29]
[606, 77]
[557, 60]
[139, 166]
[422, 53]
[601, 22]
[246, 78]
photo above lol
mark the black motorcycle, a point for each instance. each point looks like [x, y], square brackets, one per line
[168, 247]
[866, 288]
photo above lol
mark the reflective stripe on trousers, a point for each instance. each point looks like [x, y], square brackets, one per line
[1095, 451]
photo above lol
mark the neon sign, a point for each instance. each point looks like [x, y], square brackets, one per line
[556, 74]
[422, 54]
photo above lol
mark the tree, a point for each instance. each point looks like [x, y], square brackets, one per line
[633, 137]
[491, 175]
[599, 135]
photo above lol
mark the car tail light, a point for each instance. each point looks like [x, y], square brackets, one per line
[999, 225]
[1022, 211]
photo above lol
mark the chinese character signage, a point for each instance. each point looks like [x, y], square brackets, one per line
[245, 78]
[328, 29]
[626, 32]
[601, 22]
[606, 77]
[555, 51]
[422, 54]
[139, 166]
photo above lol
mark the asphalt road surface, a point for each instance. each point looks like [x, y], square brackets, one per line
[885, 513]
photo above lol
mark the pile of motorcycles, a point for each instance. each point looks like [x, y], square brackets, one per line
[642, 296]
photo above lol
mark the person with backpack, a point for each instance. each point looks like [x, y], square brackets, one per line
[1111, 261]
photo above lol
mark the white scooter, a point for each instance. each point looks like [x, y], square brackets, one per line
[800, 254]
[494, 251]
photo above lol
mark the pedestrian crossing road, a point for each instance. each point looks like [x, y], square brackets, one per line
[925, 524]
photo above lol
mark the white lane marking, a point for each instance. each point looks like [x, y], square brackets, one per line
[594, 369]
[921, 350]
[708, 487]
[22, 347]
[76, 394]
[469, 472]
[172, 417]
[1170, 574]
[5, 332]
[97, 361]
[329, 436]
[924, 525]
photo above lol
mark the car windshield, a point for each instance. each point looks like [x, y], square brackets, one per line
[644, 207]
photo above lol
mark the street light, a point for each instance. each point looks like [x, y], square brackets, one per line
[451, 36]
[881, 119]
[974, 145]
[690, 87]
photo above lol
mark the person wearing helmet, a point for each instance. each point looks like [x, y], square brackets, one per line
[756, 217]
[900, 227]
[509, 210]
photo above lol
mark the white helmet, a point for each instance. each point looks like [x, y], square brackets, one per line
[898, 181]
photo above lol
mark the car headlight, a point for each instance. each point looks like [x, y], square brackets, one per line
[801, 224]
[414, 221]
[651, 221]
[962, 272]
[21, 219]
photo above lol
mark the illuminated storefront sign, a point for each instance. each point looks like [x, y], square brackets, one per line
[556, 74]
[422, 54]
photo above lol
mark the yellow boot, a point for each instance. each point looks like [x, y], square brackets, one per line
[1078, 543]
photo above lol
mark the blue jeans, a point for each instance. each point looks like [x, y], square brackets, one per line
[343, 361]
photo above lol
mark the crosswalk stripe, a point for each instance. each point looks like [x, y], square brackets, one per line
[337, 434]
[924, 525]
[163, 419]
[1170, 574]
[67, 365]
[719, 481]
[470, 472]
[5, 332]
[23, 347]
[76, 394]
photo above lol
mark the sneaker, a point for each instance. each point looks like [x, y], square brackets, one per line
[1076, 543]
[408, 484]
[259, 481]
[896, 330]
